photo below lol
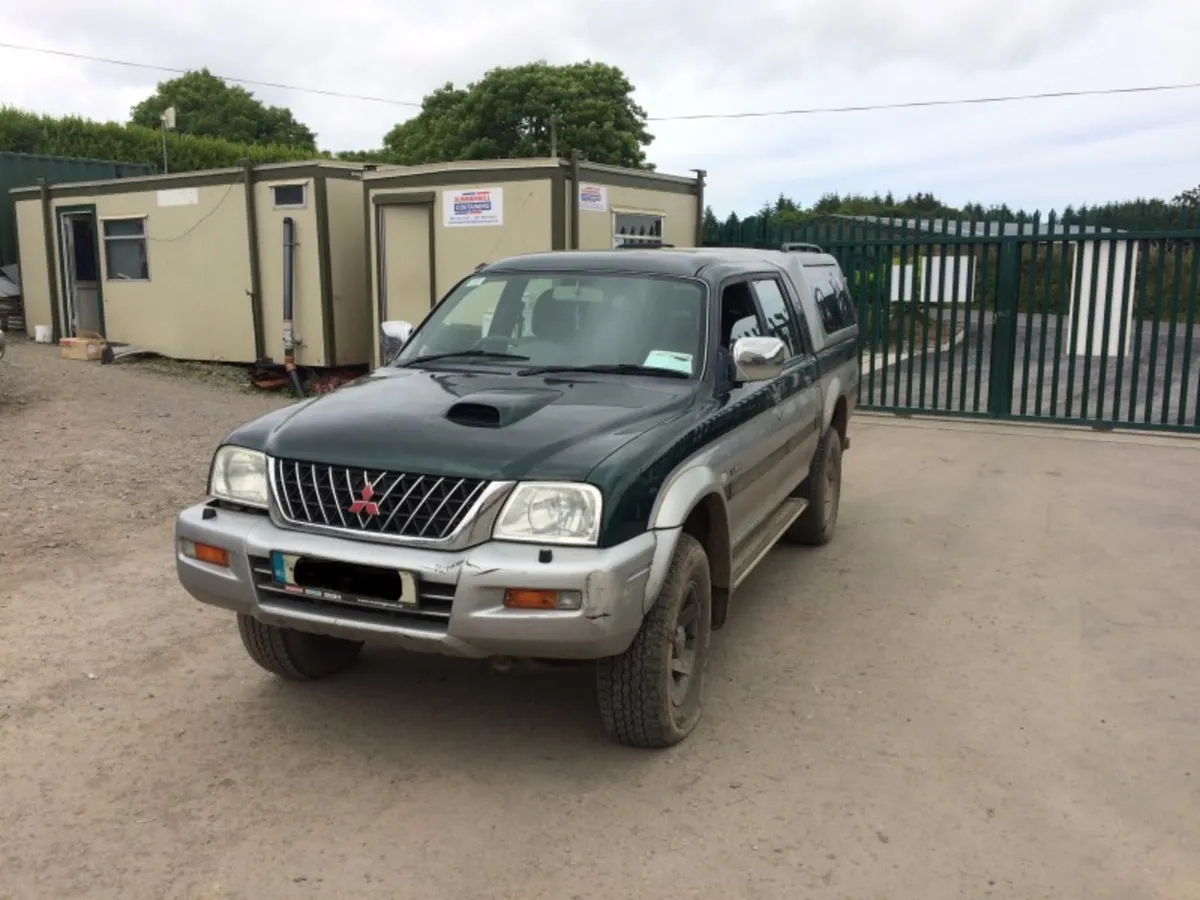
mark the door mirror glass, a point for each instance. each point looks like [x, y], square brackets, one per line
[759, 358]
[394, 335]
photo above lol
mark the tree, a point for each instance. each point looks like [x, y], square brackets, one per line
[1188, 198]
[206, 106]
[509, 113]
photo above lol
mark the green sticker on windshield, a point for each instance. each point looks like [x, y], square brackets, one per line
[669, 359]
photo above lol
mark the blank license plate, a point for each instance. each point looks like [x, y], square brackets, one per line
[340, 582]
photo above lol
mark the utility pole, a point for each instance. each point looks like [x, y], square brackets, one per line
[166, 120]
[554, 136]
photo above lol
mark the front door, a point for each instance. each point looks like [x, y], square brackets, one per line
[406, 277]
[82, 310]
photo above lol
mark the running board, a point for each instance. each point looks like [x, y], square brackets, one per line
[750, 554]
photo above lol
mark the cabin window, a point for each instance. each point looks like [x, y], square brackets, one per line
[125, 256]
[637, 228]
[289, 196]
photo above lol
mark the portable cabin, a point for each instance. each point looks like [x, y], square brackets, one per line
[430, 226]
[191, 265]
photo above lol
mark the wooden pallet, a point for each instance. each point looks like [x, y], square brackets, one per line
[12, 314]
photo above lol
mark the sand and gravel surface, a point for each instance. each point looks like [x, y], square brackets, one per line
[987, 686]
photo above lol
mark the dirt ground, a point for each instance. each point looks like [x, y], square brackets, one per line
[987, 686]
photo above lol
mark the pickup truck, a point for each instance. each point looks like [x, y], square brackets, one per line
[575, 456]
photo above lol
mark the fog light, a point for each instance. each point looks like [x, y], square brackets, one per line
[205, 553]
[528, 598]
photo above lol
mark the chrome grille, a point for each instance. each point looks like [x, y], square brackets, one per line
[372, 501]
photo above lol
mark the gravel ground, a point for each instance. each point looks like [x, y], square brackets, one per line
[985, 687]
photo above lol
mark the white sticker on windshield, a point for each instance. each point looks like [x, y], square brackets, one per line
[669, 359]
[476, 281]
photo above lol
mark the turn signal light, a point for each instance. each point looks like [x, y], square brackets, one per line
[528, 598]
[207, 553]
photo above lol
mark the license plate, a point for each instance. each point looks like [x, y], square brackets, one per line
[283, 571]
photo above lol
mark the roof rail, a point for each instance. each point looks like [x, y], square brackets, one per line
[800, 248]
[641, 245]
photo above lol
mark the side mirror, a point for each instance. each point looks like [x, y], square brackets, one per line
[394, 336]
[759, 358]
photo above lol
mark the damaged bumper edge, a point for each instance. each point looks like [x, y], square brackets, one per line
[613, 582]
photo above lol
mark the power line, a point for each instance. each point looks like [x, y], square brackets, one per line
[271, 84]
[692, 117]
[912, 104]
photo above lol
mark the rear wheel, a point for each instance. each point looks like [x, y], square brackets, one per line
[823, 491]
[652, 694]
[295, 655]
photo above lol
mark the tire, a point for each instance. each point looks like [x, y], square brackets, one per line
[646, 699]
[295, 655]
[823, 491]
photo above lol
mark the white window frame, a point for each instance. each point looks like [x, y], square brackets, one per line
[617, 239]
[144, 237]
[303, 204]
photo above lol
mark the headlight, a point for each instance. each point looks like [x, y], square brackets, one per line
[239, 476]
[550, 513]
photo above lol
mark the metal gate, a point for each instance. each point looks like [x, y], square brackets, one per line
[1056, 321]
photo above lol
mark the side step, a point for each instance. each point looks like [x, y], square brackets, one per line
[755, 547]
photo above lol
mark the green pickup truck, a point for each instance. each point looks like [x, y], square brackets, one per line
[575, 456]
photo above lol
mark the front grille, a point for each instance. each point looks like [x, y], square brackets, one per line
[372, 501]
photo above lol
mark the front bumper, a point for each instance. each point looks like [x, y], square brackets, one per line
[461, 593]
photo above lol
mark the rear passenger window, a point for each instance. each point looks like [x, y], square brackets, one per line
[775, 312]
[835, 305]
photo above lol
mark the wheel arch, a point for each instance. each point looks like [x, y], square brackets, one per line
[708, 523]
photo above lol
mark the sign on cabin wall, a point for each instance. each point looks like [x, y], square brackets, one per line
[179, 197]
[474, 207]
[593, 198]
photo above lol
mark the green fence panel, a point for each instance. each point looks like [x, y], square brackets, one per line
[18, 170]
[1069, 319]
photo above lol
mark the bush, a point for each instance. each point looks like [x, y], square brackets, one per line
[26, 132]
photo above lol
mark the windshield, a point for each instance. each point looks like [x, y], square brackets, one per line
[566, 319]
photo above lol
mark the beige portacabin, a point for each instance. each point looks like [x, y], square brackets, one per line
[431, 226]
[191, 265]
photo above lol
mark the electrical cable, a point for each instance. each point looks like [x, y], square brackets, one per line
[689, 117]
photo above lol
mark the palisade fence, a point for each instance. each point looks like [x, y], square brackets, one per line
[1063, 319]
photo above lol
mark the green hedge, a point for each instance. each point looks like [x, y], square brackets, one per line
[26, 132]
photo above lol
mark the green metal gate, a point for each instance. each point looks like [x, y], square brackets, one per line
[1060, 321]
[19, 170]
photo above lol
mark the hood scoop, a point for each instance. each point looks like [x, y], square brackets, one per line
[499, 408]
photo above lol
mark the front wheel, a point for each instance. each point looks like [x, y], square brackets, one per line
[651, 695]
[295, 655]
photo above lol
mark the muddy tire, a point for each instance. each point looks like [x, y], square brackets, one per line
[652, 694]
[295, 655]
[823, 491]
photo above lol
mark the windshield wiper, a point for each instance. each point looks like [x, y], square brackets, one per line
[622, 369]
[479, 354]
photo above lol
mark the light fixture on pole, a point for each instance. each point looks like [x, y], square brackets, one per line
[167, 120]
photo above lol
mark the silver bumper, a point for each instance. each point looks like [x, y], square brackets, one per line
[463, 591]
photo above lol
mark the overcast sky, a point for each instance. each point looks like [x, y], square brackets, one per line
[701, 56]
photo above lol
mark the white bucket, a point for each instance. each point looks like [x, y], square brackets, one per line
[42, 334]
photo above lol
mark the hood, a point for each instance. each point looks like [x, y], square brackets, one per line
[470, 425]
